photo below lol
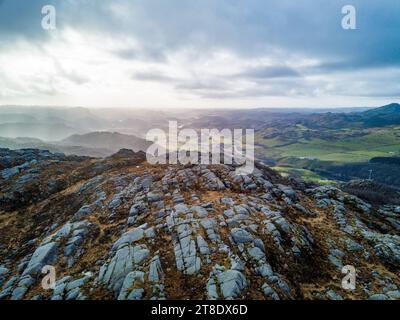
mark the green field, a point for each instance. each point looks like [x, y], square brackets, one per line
[306, 175]
[377, 143]
[305, 157]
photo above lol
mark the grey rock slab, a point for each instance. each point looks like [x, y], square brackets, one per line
[282, 285]
[242, 209]
[83, 212]
[129, 237]
[203, 246]
[150, 233]
[394, 294]
[236, 263]
[288, 191]
[77, 283]
[229, 213]
[232, 283]
[73, 294]
[26, 281]
[259, 244]
[19, 293]
[3, 274]
[256, 253]
[44, 255]
[3, 271]
[269, 292]
[332, 295]
[264, 270]
[378, 296]
[140, 253]
[114, 273]
[59, 289]
[154, 196]
[136, 294]
[211, 288]
[186, 256]
[131, 279]
[156, 273]
[228, 201]
[199, 211]
[9, 173]
[181, 208]
[241, 236]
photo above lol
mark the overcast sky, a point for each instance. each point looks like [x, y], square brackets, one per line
[200, 53]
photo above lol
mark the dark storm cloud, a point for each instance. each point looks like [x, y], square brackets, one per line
[252, 27]
[258, 27]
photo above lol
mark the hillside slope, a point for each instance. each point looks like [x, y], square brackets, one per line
[118, 228]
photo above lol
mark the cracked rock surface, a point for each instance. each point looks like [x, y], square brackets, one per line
[119, 228]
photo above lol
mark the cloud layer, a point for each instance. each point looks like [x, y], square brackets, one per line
[199, 53]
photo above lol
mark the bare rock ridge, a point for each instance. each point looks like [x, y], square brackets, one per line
[120, 228]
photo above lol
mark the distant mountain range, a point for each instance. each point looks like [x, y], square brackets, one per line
[95, 144]
[374, 118]
[101, 132]
[57, 123]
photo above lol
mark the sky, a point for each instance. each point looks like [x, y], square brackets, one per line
[200, 53]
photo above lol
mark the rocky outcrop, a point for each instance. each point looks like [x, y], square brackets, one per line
[119, 228]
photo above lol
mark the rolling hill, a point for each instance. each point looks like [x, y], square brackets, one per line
[112, 141]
